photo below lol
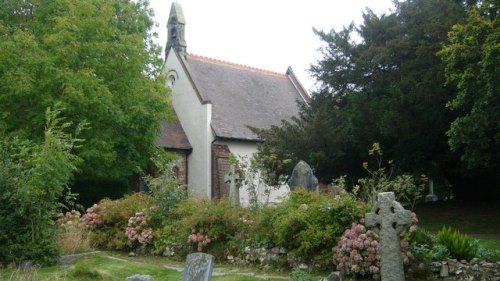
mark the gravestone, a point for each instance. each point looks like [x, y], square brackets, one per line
[431, 197]
[302, 175]
[234, 192]
[198, 267]
[389, 219]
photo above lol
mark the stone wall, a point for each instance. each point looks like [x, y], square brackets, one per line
[475, 270]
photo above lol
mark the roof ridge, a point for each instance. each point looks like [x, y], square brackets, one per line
[237, 65]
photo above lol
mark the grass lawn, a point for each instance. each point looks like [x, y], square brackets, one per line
[117, 266]
[480, 220]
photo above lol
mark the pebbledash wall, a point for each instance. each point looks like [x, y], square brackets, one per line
[195, 117]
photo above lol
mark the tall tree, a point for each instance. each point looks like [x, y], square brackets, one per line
[472, 58]
[387, 87]
[97, 59]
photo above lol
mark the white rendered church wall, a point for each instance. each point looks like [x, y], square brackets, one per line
[246, 150]
[195, 119]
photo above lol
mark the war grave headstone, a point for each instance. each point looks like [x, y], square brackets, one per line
[431, 197]
[389, 219]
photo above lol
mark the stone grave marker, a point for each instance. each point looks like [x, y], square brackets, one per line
[389, 219]
[199, 267]
[233, 179]
[431, 197]
[302, 175]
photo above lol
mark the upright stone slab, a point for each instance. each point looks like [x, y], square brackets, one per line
[431, 197]
[302, 175]
[234, 192]
[389, 219]
[199, 267]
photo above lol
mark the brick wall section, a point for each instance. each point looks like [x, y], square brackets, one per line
[220, 168]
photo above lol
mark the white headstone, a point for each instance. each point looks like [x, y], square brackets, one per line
[389, 219]
[431, 197]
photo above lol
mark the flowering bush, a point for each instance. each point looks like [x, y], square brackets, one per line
[200, 239]
[93, 217]
[109, 219]
[137, 231]
[357, 252]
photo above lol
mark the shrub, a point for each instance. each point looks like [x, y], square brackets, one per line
[307, 224]
[301, 275]
[357, 252]
[73, 235]
[219, 222]
[109, 219]
[137, 230]
[460, 246]
[424, 246]
[33, 179]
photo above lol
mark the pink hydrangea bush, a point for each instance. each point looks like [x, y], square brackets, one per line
[199, 239]
[137, 230]
[357, 252]
[93, 217]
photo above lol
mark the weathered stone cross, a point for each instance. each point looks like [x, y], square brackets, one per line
[389, 219]
[234, 192]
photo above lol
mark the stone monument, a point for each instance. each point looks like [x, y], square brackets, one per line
[234, 192]
[302, 175]
[431, 197]
[199, 267]
[389, 219]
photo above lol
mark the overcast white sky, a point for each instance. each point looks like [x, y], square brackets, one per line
[268, 34]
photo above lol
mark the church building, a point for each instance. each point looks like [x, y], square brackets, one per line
[216, 102]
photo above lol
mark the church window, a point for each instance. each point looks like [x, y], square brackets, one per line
[172, 77]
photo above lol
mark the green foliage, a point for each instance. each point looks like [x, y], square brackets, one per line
[471, 56]
[307, 224]
[405, 187]
[95, 57]
[85, 272]
[425, 247]
[389, 86]
[167, 191]
[33, 179]
[301, 275]
[108, 232]
[220, 221]
[460, 246]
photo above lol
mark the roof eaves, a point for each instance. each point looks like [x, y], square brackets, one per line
[296, 83]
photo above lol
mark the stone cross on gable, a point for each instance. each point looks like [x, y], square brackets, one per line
[389, 219]
[233, 178]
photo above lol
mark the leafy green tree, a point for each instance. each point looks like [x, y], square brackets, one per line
[33, 180]
[472, 57]
[387, 86]
[97, 59]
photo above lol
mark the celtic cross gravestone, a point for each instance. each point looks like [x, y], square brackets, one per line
[389, 219]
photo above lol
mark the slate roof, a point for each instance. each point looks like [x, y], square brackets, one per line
[243, 96]
[172, 136]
